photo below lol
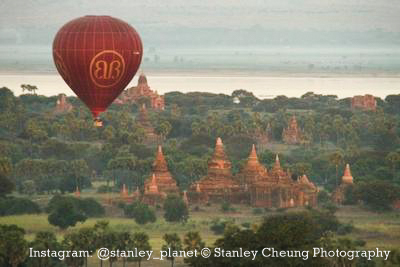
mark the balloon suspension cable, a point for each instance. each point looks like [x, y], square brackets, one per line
[98, 122]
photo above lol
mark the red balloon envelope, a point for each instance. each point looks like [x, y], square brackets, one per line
[97, 56]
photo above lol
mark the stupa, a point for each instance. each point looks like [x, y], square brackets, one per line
[292, 134]
[165, 182]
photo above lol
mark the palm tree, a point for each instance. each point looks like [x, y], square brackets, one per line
[193, 242]
[393, 158]
[140, 241]
[172, 242]
[29, 88]
[336, 158]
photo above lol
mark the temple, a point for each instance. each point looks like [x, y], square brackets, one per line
[160, 183]
[276, 188]
[144, 122]
[124, 192]
[142, 91]
[292, 134]
[218, 184]
[338, 195]
[254, 184]
[62, 105]
[366, 102]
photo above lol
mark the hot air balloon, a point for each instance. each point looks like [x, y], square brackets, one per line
[97, 56]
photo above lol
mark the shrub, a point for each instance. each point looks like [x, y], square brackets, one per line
[218, 226]
[91, 207]
[330, 207]
[281, 209]
[377, 195]
[225, 206]
[323, 197]
[88, 206]
[140, 212]
[65, 214]
[15, 206]
[349, 196]
[344, 229]
[103, 189]
[257, 211]
[175, 209]
[246, 225]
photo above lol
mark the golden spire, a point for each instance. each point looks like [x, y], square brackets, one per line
[277, 165]
[347, 177]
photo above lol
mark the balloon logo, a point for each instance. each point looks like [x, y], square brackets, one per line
[107, 68]
[97, 56]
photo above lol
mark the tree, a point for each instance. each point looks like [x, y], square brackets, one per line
[140, 212]
[6, 185]
[29, 88]
[140, 241]
[80, 170]
[163, 129]
[377, 195]
[336, 159]
[65, 215]
[44, 241]
[393, 158]
[13, 246]
[15, 206]
[192, 241]
[173, 243]
[73, 242]
[175, 209]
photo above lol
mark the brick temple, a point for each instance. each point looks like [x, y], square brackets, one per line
[292, 134]
[338, 195]
[364, 102]
[254, 184]
[160, 183]
[142, 91]
[62, 105]
[143, 121]
[218, 183]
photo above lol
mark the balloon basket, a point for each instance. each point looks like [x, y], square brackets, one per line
[98, 123]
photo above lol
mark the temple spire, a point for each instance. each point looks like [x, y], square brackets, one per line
[153, 186]
[185, 198]
[160, 164]
[253, 153]
[347, 177]
[277, 162]
[219, 142]
[124, 192]
[77, 192]
[198, 190]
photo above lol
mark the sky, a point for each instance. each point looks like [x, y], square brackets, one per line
[239, 35]
[36, 21]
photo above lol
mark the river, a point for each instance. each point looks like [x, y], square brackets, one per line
[261, 86]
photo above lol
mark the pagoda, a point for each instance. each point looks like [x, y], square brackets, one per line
[62, 105]
[365, 102]
[292, 134]
[338, 195]
[253, 170]
[142, 90]
[144, 122]
[124, 192]
[305, 192]
[165, 182]
[219, 181]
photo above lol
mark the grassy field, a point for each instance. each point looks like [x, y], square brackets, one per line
[378, 230]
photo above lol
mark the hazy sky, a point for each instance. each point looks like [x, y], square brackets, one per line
[164, 20]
